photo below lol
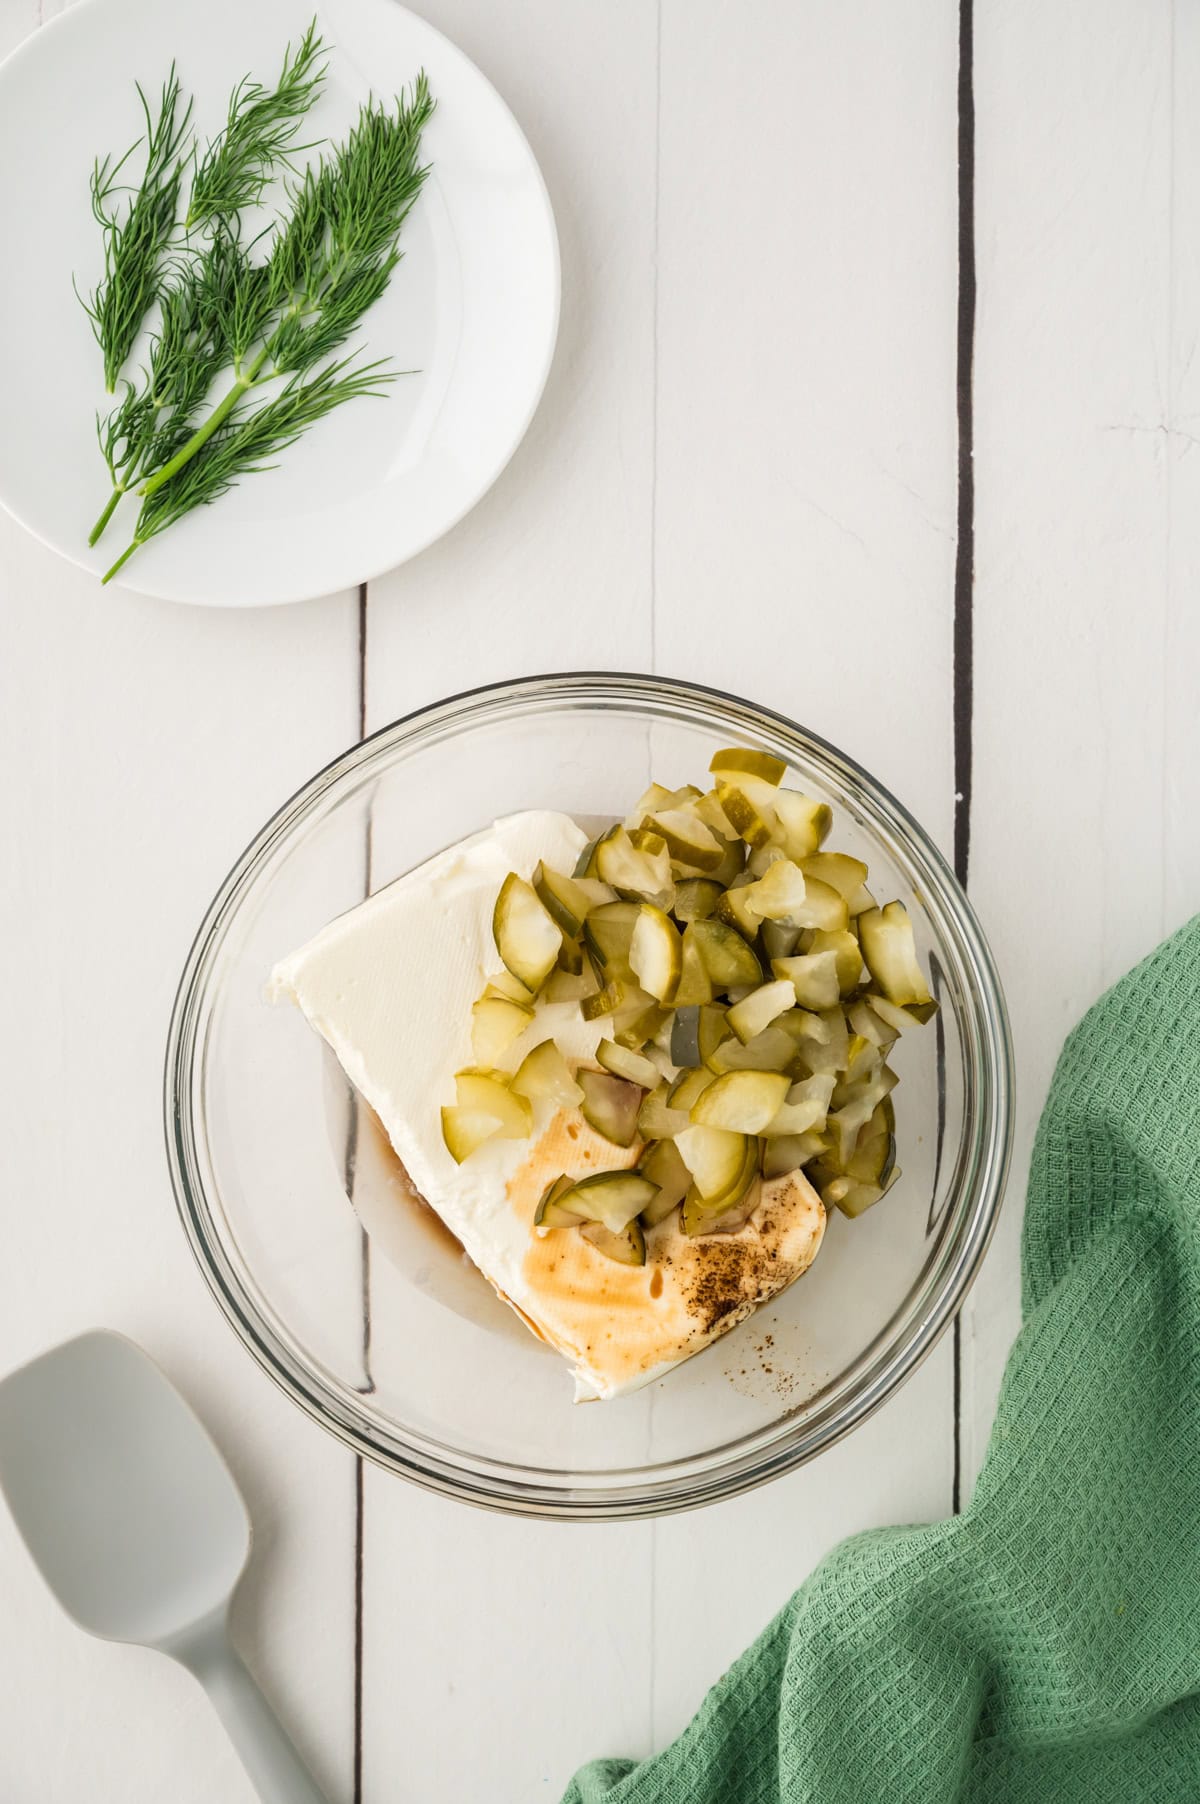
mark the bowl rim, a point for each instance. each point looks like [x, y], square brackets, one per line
[687, 1482]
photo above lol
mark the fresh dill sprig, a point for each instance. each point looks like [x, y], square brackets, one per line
[330, 260]
[245, 442]
[153, 419]
[136, 237]
[257, 136]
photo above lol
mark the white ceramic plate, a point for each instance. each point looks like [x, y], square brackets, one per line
[472, 309]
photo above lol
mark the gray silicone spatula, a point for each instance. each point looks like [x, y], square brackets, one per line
[138, 1527]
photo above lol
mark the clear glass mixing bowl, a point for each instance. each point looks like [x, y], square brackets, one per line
[387, 1337]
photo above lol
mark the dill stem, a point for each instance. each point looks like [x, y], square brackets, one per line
[204, 432]
[127, 553]
[106, 516]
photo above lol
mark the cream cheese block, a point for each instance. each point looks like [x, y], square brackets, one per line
[389, 986]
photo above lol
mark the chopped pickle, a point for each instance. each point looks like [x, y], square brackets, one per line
[636, 871]
[787, 1152]
[504, 984]
[735, 908]
[842, 942]
[846, 1122]
[695, 985]
[689, 1086]
[627, 1064]
[875, 1152]
[663, 1164]
[698, 1217]
[495, 1024]
[485, 1091]
[550, 1213]
[570, 959]
[527, 939]
[464, 1130]
[780, 894]
[778, 940]
[687, 838]
[804, 1109]
[685, 1036]
[610, 1105]
[627, 1248]
[891, 1014]
[844, 874]
[645, 1020]
[726, 956]
[751, 823]
[657, 1120]
[650, 799]
[583, 863]
[813, 977]
[869, 1024]
[544, 1072]
[695, 898]
[611, 1197]
[656, 952]
[721, 1163]
[852, 1196]
[757, 1010]
[803, 823]
[890, 953]
[608, 933]
[570, 986]
[742, 762]
[606, 1001]
[771, 1050]
[742, 1102]
[565, 901]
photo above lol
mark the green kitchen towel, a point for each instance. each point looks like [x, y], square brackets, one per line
[1043, 1647]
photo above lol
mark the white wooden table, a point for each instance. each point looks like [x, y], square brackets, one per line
[746, 470]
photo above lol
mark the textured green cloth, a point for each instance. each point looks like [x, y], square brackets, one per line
[1045, 1645]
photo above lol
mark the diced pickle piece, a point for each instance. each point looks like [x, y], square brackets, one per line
[689, 1086]
[736, 909]
[779, 894]
[687, 838]
[606, 1001]
[544, 1073]
[503, 983]
[642, 1023]
[787, 1152]
[657, 1120]
[750, 822]
[656, 952]
[610, 1105]
[742, 1102]
[527, 939]
[570, 986]
[608, 933]
[741, 761]
[650, 799]
[891, 1014]
[875, 1153]
[721, 1163]
[771, 1050]
[664, 1166]
[727, 958]
[484, 1091]
[757, 1010]
[565, 901]
[836, 869]
[626, 1248]
[698, 1217]
[464, 1130]
[846, 1123]
[685, 1036]
[611, 1197]
[869, 1023]
[853, 1197]
[813, 977]
[570, 960]
[695, 984]
[860, 901]
[890, 953]
[635, 871]
[623, 1062]
[778, 940]
[803, 823]
[843, 943]
[495, 1024]
[695, 898]
[550, 1213]
[804, 1109]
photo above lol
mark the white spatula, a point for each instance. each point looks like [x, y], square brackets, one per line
[138, 1528]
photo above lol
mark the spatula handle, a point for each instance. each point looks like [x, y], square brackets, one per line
[276, 1770]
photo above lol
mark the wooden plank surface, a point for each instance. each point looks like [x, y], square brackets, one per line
[744, 472]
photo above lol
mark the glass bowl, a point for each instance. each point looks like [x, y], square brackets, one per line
[387, 1337]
